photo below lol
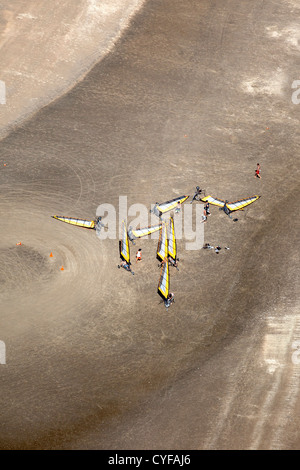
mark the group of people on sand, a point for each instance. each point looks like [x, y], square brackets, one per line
[206, 212]
[208, 246]
[172, 262]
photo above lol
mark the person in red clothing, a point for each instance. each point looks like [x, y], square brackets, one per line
[257, 171]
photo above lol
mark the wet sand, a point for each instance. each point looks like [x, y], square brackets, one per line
[194, 93]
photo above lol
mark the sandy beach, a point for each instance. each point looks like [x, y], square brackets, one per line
[46, 49]
[148, 100]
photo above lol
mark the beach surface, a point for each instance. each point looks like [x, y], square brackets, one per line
[190, 93]
[46, 49]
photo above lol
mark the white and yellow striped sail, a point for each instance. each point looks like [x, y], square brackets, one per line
[124, 243]
[232, 206]
[142, 232]
[241, 203]
[213, 200]
[164, 280]
[73, 221]
[172, 249]
[169, 205]
[162, 246]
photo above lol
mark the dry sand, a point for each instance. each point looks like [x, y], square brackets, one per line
[46, 48]
[94, 361]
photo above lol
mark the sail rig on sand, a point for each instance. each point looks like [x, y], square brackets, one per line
[164, 280]
[164, 207]
[172, 244]
[78, 222]
[229, 207]
[142, 232]
[162, 246]
[124, 249]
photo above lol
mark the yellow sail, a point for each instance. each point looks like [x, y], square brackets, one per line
[164, 280]
[232, 206]
[79, 222]
[160, 209]
[241, 203]
[124, 243]
[162, 246]
[172, 240]
[169, 205]
[213, 200]
[142, 232]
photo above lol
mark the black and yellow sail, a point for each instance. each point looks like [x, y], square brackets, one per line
[164, 207]
[142, 232]
[124, 243]
[172, 247]
[164, 280]
[240, 204]
[78, 222]
[162, 246]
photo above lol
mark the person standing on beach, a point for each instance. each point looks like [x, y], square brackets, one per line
[197, 195]
[169, 300]
[139, 255]
[257, 171]
[206, 208]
